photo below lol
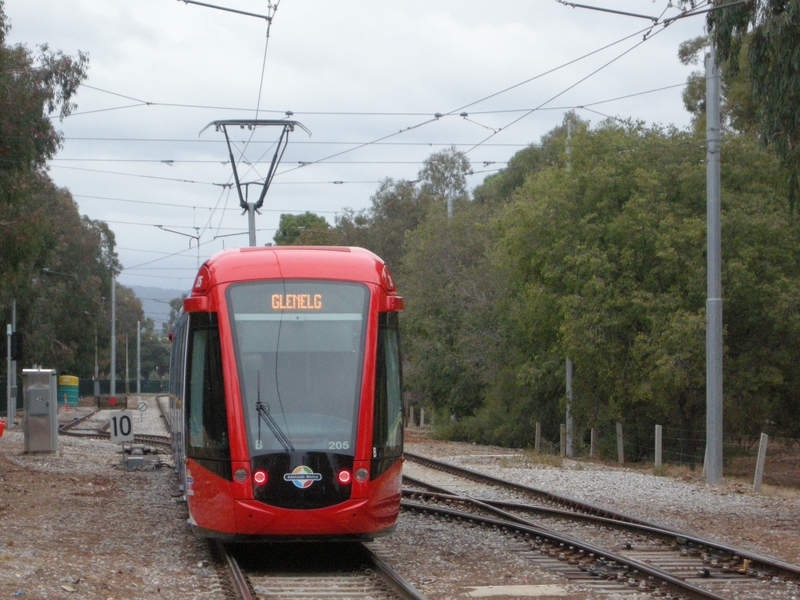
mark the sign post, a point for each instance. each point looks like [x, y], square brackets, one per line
[121, 429]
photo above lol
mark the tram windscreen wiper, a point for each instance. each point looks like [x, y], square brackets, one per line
[262, 408]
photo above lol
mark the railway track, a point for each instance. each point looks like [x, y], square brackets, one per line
[313, 572]
[87, 426]
[597, 547]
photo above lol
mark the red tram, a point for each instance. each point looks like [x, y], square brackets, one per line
[286, 395]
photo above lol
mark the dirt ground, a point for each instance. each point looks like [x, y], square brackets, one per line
[72, 525]
[781, 467]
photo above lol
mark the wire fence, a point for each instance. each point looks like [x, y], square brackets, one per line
[686, 448]
[86, 388]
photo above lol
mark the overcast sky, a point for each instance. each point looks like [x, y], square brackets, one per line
[352, 72]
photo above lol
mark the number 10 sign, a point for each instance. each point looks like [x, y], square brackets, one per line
[121, 426]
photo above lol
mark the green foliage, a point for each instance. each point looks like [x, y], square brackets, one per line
[499, 187]
[307, 229]
[768, 31]
[592, 246]
[30, 89]
[444, 175]
[56, 265]
[397, 208]
[450, 293]
[175, 308]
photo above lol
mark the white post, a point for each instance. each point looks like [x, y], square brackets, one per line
[570, 425]
[113, 361]
[11, 413]
[8, 374]
[762, 455]
[421, 416]
[138, 361]
[538, 440]
[658, 445]
[593, 443]
[620, 445]
[127, 373]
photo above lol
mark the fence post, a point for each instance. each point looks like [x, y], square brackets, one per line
[593, 443]
[421, 416]
[538, 439]
[658, 445]
[563, 439]
[762, 455]
[620, 448]
[705, 461]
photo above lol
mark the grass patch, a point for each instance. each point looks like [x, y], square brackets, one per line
[661, 470]
[537, 458]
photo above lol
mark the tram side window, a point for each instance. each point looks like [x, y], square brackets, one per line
[206, 415]
[387, 437]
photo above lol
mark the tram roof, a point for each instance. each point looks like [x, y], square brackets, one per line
[277, 262]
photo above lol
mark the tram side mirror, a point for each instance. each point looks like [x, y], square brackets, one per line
[394, 303]
[195, 304]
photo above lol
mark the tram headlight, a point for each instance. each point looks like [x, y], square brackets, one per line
[260, 477]
[240, 475]
[361, 474]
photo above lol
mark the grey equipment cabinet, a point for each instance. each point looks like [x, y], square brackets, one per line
[41, 410]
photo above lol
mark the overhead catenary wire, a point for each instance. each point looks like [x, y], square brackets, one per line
[564, 91]
[223, 212]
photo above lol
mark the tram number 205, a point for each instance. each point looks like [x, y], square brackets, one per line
[338, 445]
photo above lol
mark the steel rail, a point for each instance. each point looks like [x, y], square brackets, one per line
[555, 498]
[675, 583]
[393, 579]
[382, 577]
[77, 421]
[592, 512]
[237, 578]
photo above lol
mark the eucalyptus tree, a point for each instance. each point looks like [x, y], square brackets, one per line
[307, 229]
[763, 38]
[605, 264]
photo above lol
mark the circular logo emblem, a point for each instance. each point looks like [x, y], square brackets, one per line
[302, 476]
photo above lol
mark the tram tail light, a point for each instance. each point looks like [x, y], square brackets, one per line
[260, 477]
[345, 477]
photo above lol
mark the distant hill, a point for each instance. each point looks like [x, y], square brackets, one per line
[155, 302]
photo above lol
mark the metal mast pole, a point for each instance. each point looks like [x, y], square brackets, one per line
[138, 360]
[251, 222]
[570, 422]
[8, 373]
[251, 208]
[570, 425]
[96, 389]
[11, 408]
[714, 258]
[113, 334]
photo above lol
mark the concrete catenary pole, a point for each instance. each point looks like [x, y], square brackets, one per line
[113, 360]
[714, 260]
[138, 360]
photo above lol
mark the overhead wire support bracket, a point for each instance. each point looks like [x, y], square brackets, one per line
[233, 10]
[655, 20]
[608, 10]
[280, 148]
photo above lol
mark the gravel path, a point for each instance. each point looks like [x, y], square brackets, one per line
[75, 525]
